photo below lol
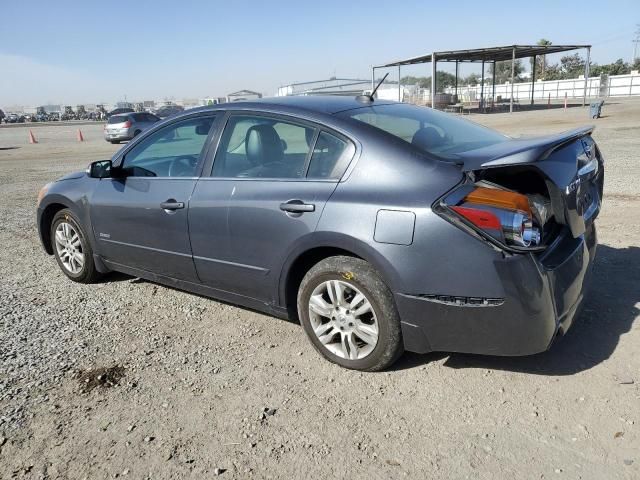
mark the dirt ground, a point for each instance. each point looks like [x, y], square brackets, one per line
[203, 389]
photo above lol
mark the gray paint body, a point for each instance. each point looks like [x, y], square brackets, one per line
[232, 241]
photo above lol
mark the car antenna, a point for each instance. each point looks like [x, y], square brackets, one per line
[370, 98]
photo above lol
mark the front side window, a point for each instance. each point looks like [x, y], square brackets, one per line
[172, 151]
[434, 132]
[262, 147]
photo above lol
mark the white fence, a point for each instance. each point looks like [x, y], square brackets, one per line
[612, 86]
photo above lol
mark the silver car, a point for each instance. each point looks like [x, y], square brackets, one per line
[128, 125]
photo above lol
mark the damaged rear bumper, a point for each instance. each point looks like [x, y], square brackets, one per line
[524, 322]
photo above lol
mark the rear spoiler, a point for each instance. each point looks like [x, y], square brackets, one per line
[519, 151]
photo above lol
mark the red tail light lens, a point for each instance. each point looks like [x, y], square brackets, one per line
[480, 218]
[127, 124]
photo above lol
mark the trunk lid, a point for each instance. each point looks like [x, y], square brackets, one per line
[570, 164]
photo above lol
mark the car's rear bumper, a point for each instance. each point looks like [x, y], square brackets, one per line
[543, 295]
[118, 135]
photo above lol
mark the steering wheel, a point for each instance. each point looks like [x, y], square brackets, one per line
[183, 166]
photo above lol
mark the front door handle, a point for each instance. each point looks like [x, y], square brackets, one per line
[171, 204]
[297, 206]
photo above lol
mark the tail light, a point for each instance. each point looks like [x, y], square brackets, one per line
[127, 124]
[500, 215]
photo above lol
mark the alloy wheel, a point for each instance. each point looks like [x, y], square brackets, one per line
[69, 247]
[343, 319]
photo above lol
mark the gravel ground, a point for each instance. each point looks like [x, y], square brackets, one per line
[127, 378]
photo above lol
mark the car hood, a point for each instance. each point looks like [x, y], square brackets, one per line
[71, 176]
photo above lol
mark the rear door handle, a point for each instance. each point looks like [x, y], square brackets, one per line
[297, 206]
[171, 205]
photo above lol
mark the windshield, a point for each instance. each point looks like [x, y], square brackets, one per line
[438, 133]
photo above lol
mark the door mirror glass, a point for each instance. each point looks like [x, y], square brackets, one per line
[100, 169]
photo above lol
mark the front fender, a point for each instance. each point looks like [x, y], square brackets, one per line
[71, 194]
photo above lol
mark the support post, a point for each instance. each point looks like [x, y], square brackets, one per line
[482, 88]
[373, 78]
[493, 82]
[456, 79]
[513, 75]
[586, 76]
[399, 85]
[433, 80]
[533, 78]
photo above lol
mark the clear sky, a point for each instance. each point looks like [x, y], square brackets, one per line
[88, 51]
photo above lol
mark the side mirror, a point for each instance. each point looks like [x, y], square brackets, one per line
[100, 169]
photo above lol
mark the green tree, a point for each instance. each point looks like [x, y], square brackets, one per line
[541, 60]
[471, 79]
[444, 79]
[503, 71]
[572, 66]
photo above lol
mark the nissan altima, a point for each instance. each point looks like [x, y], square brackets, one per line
[379, 226]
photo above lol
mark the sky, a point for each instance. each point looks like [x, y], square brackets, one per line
[73, 52]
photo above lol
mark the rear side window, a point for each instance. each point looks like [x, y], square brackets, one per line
[118, 119]
[330, 157]
[262, 147]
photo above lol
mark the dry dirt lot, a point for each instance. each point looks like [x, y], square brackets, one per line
[197, 374]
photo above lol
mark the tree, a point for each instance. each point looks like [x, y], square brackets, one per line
[444, 79]
[541, 60]
[572, 66]
[409, 80]
[471, 79]
[503, 71]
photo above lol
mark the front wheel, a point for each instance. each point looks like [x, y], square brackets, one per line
[349, 314]
[72, 249]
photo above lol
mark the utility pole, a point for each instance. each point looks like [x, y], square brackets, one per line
[636, 41]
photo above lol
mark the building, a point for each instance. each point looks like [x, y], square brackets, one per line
[330, 86]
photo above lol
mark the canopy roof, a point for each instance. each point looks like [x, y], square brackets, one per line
[497, 54]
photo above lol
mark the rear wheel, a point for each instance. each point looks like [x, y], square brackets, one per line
[72, 249]
[349, 314]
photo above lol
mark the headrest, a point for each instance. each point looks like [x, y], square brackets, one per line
[263, 145]
[427, 138]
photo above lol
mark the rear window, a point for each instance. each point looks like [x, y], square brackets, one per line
[437, 133]
[118, 118]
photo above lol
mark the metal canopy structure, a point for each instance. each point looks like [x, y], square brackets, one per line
[492, 55]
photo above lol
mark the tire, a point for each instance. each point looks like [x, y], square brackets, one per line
[86, 271]
[136, 133]
[354, 277]
[116, 142]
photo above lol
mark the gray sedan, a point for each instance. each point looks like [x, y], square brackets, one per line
[380, 227]
[125, 126]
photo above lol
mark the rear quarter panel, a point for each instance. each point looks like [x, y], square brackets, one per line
[441, 258]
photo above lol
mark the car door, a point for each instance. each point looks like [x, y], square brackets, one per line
[270, 180]
[139, 217]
